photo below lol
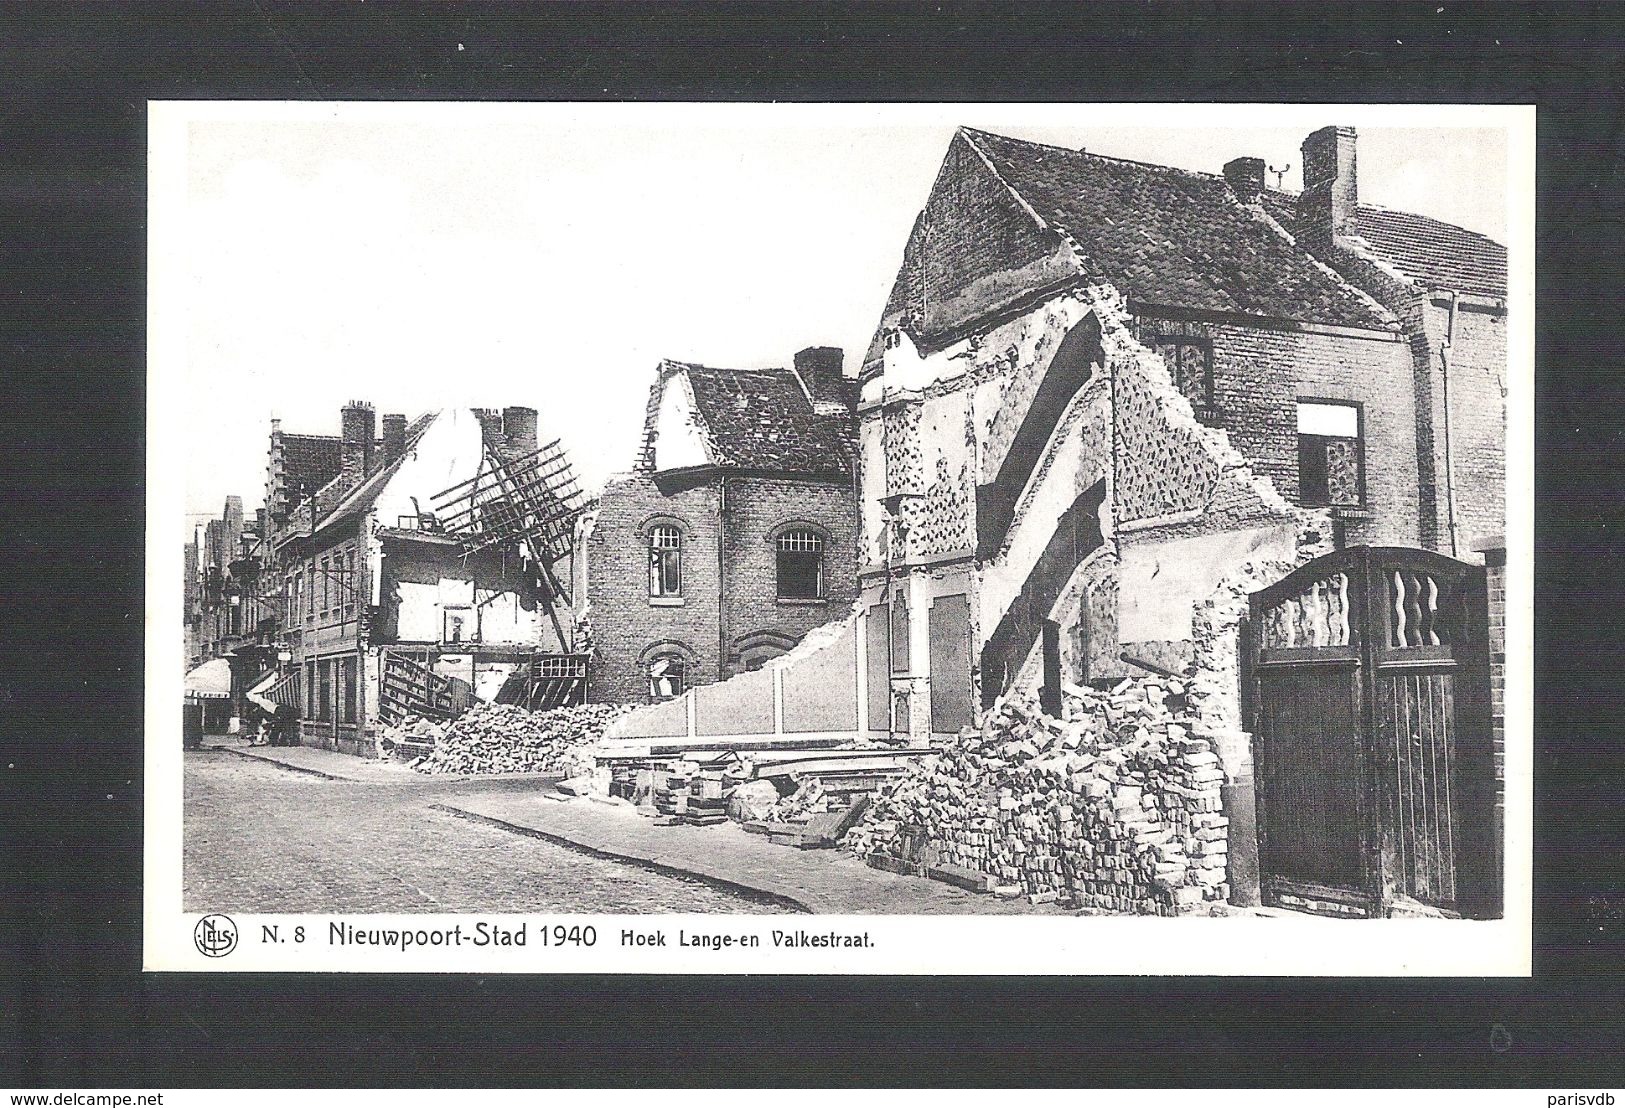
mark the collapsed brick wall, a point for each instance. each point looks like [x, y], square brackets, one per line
[1115, 808]
[1166, 463]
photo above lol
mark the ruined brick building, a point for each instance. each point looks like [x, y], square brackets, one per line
[1100, 386]
[734, 534]
[1101, 389]
[373, 569]
[1107, 402]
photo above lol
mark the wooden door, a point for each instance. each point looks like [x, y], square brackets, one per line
[1311, 760]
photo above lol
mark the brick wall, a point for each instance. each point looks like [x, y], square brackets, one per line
[624, 621]
[627, 624]
[1478, 368]
[758, 508]
[981, 250]
[1477, 403]
[1259, 376]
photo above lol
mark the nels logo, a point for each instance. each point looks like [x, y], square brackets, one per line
[215, 936]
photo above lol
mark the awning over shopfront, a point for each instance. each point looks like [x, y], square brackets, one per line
[210, 681]
[285, 693]
[257, 691]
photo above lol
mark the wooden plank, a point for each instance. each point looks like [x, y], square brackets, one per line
[1448, 710]
[441, 495]
[1312, 778]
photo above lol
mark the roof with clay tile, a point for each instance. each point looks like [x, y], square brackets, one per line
[1430, 252]
[760, 420]
[1171, 236]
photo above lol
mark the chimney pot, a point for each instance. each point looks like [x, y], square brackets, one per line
[1246, 178]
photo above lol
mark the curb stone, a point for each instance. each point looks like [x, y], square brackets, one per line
[755, 892]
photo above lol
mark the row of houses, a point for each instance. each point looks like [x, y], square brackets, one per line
[454, 558]
[1098, 388]
[1122, 420]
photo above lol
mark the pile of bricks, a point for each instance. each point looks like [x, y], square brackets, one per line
[807, 801]
[1115, 808]
[505, 738]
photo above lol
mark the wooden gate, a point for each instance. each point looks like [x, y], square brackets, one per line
[1366, 688]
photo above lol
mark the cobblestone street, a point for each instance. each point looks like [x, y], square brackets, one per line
[260, 838]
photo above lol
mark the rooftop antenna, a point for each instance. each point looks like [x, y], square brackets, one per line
[1279, 173]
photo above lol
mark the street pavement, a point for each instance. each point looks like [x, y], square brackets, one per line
[304, 830]
[263, 838]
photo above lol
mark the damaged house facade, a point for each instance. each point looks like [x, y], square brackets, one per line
[418, 570]
[1108, 403]
[1019, 416]
[733, 536]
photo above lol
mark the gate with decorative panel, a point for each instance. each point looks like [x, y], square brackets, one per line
[1366, 687]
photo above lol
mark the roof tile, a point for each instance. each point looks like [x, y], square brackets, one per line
[1428, 251]
[761, 419]
[1171, 236]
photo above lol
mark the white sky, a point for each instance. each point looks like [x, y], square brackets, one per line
[421, 256]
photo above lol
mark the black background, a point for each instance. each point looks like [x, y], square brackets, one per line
[77, 1011]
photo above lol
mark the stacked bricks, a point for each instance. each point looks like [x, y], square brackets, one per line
[505, 738]
[1115, 808]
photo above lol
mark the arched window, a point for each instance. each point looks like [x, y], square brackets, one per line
[665, 561]
[668, 676]
[801, 565]
[756, 649]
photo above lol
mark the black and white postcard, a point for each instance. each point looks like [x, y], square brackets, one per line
[848, 539]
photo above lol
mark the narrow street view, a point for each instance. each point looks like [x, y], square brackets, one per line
[262, 838]
[1144, 552]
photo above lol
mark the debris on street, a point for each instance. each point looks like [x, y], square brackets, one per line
[1115, 808]
[505, 738]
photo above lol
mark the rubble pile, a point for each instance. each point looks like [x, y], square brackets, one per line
[505, 738]
[412, 731]
[807, 801]
[1114, 808]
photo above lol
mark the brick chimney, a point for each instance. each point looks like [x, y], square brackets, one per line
[1246, 178]
[490, 425]
[519, 429]
[1326, 207]
[358, 430]
[394, 436]
[819, 368]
